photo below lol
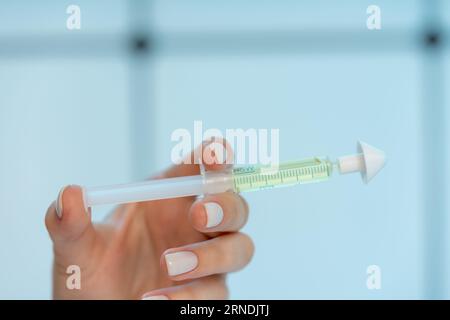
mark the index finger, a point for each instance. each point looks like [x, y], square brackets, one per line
[215, 154]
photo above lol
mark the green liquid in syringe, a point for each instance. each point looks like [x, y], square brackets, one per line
[254, 178]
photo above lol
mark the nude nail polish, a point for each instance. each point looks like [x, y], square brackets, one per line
[180, 262]
[59, 204]
[158, 297]
[214, 214]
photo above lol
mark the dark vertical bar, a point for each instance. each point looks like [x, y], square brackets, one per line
[434, 154]
[140, 87]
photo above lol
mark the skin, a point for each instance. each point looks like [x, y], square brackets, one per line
[123, 257]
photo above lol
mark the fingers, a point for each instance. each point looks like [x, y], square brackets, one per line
[226, 253]
[208, 288]
[215, 154]
[68, 222]
[219, 213]
[227, 212]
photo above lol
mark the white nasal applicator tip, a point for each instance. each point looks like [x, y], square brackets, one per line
[369, 161]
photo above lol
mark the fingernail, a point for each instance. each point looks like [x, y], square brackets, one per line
[83, 194]
[160, 297]
[59, 205]
[214, 214]
[214, 153]
[180, 262]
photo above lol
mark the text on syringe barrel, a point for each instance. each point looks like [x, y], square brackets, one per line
[261, 177]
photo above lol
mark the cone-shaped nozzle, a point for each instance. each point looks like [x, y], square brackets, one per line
[374, 160]
[369, 161]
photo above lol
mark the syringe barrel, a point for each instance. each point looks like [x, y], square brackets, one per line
[255, 178]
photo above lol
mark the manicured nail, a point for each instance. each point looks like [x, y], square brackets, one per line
[214, 153]
[180, 262]
[83, 194]
[160, 297]
[214, 214]
[59, 205]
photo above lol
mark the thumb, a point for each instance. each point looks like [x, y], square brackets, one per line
[69, 224]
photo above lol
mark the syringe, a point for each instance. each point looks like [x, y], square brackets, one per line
[368, 161]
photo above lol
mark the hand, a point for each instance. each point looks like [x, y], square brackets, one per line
[166, 249]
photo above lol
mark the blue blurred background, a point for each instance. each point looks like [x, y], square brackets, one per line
[98, 105]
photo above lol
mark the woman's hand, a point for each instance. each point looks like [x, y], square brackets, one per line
[166, 249]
